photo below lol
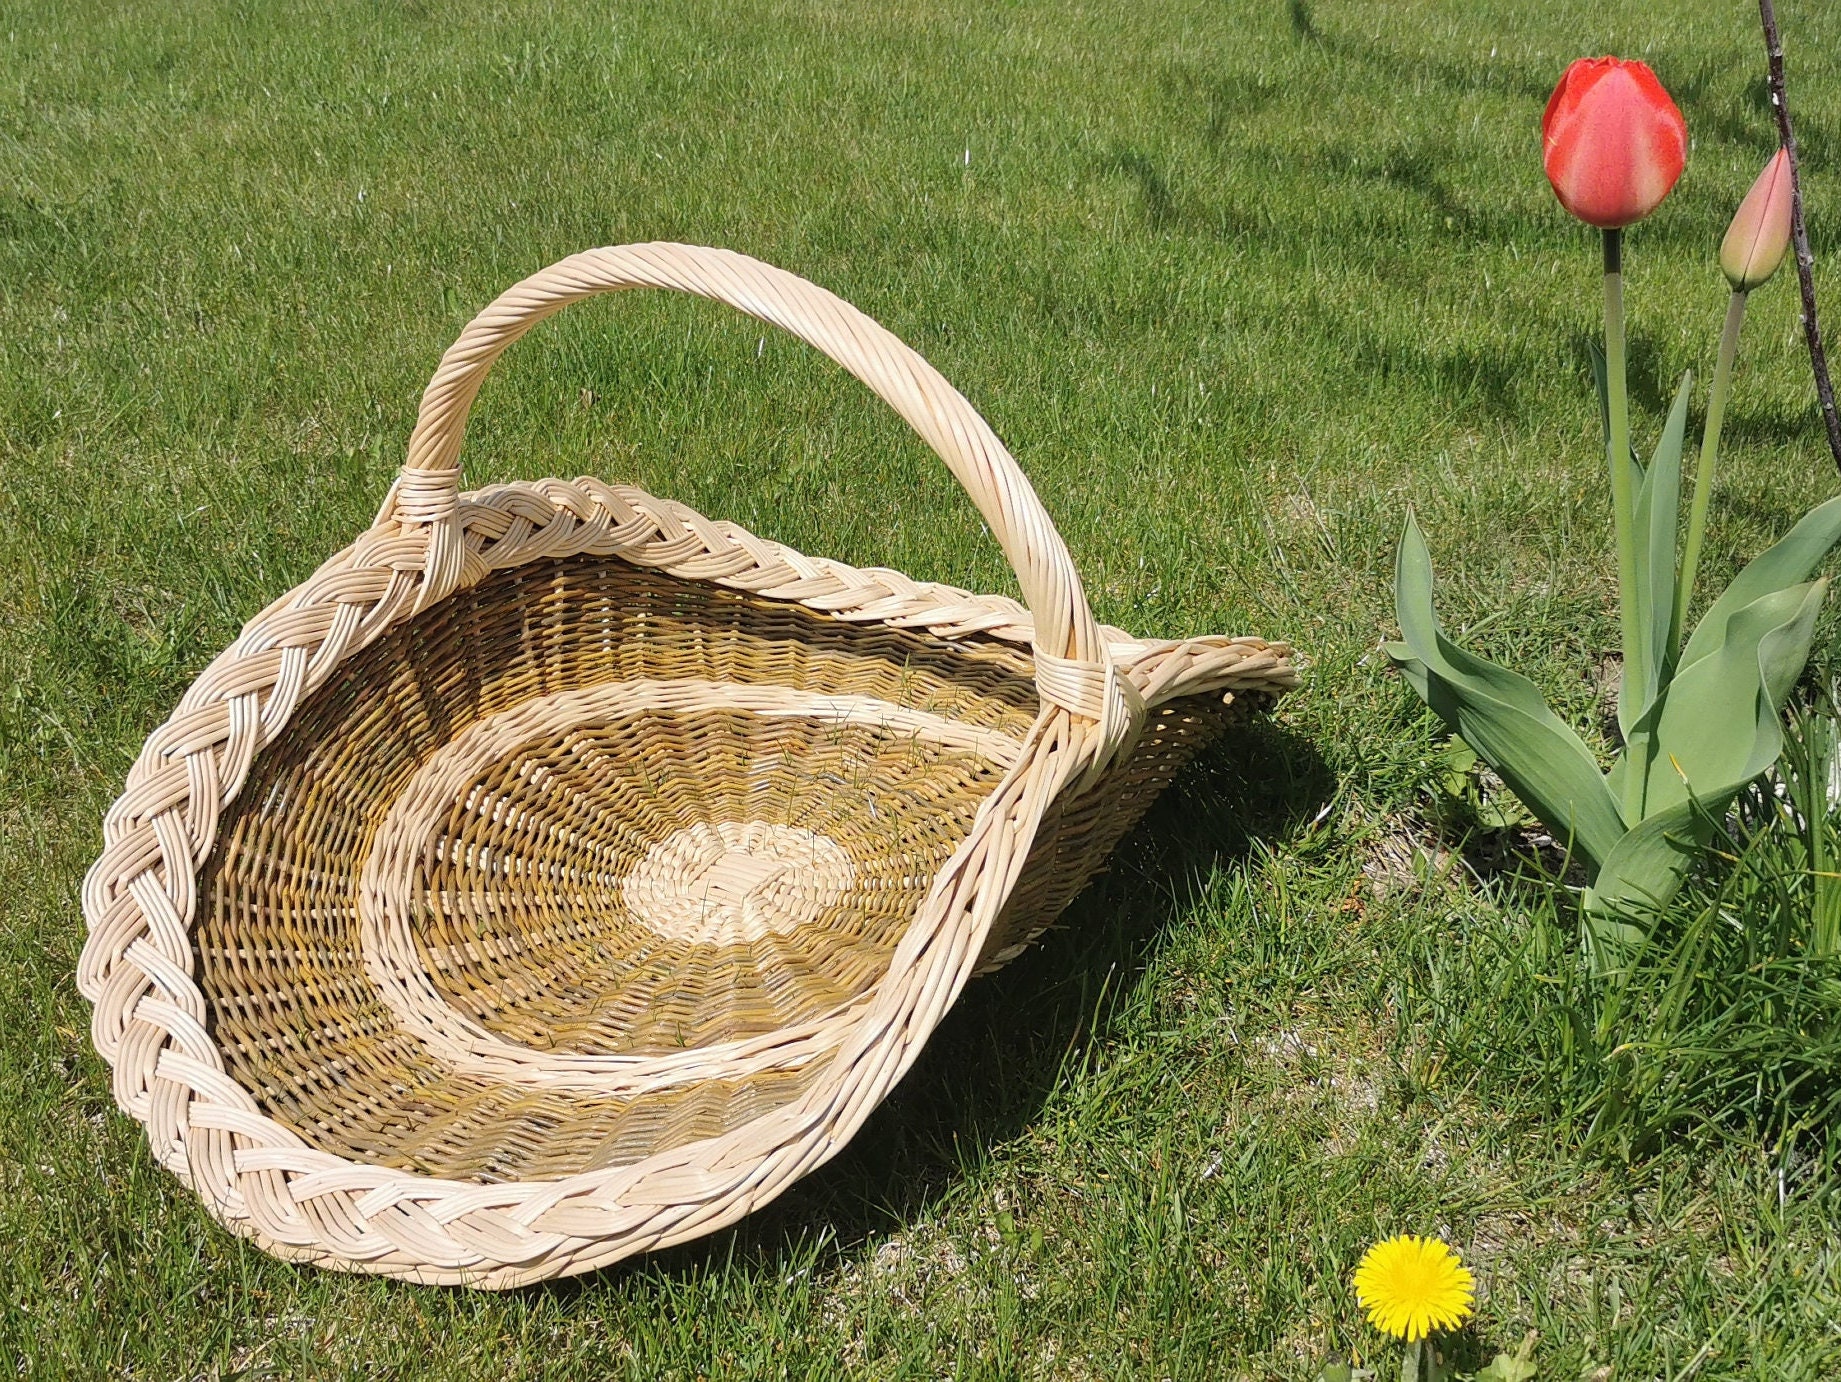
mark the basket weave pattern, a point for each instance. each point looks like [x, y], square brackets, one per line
[557, 874]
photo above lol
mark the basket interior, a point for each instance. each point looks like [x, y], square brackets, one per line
[590, 812]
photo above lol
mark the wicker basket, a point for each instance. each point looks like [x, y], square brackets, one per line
[558, 874]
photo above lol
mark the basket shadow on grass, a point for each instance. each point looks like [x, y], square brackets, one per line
[990, 1067]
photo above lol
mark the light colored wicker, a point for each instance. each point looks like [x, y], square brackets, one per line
[558, 874]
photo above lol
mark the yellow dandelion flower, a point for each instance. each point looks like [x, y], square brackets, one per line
[1412, 1286]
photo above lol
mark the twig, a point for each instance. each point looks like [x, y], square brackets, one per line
[1805, 262]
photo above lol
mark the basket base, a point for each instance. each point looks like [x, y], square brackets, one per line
[596, 879]
[478, 911]
[587, 862]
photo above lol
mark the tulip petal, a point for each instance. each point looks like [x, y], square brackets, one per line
[1613, 142]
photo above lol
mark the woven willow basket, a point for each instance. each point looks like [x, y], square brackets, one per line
[558, 874]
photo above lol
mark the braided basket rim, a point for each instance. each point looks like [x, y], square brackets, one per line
[150, 1018]
[261, 1179]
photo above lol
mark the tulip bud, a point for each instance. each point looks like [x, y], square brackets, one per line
[1613, 142]
[1760, 232]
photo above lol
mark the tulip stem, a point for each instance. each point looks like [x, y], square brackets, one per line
[1703, 477]
[1623, 504]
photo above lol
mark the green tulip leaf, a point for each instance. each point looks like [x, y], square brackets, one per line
[1657, 520]
[1786, 564]
[1501, 715]
[1717, 726]
[1641, 873]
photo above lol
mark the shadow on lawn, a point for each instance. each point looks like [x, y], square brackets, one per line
[991, 1065]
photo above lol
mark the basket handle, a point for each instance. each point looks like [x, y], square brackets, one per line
[1072, 668]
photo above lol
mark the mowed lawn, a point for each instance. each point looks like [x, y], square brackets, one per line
[1238, 281]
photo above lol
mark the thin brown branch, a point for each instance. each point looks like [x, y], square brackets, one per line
[1799, 234]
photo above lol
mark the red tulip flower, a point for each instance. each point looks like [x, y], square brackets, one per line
[1613, 142]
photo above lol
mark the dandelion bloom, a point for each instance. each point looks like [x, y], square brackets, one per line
[1412, 1286]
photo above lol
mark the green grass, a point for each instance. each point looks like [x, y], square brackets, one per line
[1728, 1021]
[1238, 282]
